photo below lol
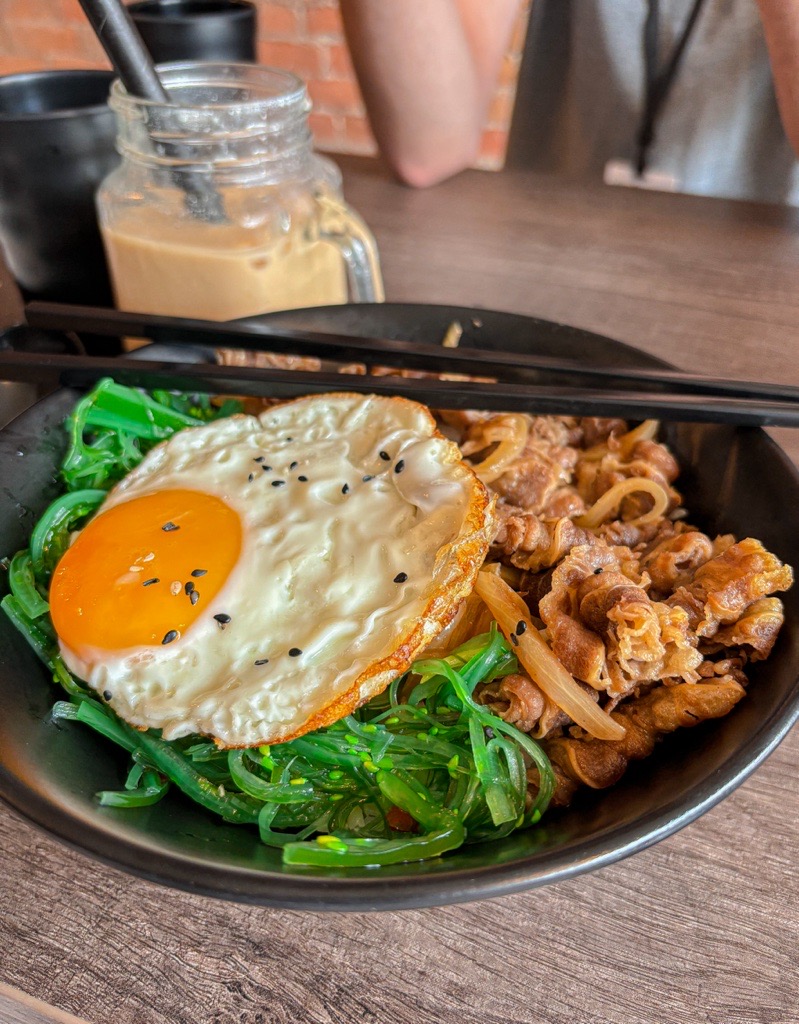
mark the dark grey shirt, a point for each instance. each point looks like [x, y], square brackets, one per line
[581, 96]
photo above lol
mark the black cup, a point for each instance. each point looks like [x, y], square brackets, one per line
[56, 145]
[200, 30]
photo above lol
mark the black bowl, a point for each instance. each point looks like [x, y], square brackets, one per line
[57, 136]
[733, 480]
[214, 30]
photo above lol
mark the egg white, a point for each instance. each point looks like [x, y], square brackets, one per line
[320, 569]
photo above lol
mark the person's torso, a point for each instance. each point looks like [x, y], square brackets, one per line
[582, 96]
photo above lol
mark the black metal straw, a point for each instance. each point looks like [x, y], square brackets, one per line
[131, 59]
[120, 39]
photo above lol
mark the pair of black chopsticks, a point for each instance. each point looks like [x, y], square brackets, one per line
[522, 382]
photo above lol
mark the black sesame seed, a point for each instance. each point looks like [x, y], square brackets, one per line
[303, 479]
[278, 483]
[521, 625]
[222, 619]
[169, 527]
[262, 661]
[107, 695]
[400, 577]
[259, 458]
[170, 636]
[385, 456]
[294, 465]
[266, 469]
[514, 640]
[198, 572]
[597, 572]
[399, 466]
[367, 478]
[194, 596]
[295, 652]
[288, 438]
[149, 583]
[189, 587]
[345, 489]
[251, 477]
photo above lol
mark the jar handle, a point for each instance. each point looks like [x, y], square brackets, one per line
[343, 227]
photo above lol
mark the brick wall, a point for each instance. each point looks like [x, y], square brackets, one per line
[303, 36]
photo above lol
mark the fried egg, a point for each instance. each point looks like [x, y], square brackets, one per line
[258, 577]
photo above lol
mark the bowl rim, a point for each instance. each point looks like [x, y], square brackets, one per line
[99, 108]
[175, 14]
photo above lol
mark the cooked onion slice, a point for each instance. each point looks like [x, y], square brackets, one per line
[472, 619]
[540, 663]
[604, 506]
[511, 431]
[645, 431]
[452, 338]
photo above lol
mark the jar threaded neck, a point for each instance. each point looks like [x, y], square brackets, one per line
[238, 122]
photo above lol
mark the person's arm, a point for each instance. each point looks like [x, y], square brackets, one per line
[781, 26]
[427, 70]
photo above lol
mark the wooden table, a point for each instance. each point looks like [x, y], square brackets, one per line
[702, 927]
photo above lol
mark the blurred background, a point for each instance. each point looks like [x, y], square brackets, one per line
[303, 36]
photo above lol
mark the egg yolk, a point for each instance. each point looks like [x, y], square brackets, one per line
[131, 576]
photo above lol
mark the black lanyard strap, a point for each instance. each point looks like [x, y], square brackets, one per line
[658, 82]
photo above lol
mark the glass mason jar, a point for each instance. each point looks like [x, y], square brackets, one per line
[220, 208]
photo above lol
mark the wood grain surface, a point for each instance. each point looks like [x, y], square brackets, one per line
[703, 927]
